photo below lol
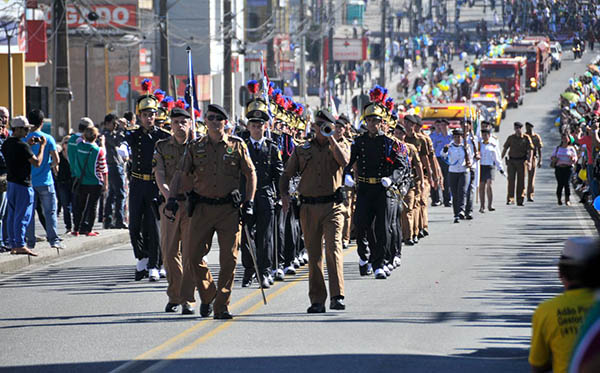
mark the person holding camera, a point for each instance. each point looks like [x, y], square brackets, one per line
[215, 162]
[19, 159]
[320, 163]
[459, 163]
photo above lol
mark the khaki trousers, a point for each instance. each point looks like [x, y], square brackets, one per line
[407, 216]
[225, 221]
[174, 243]
[424, 207]
[318, 221]
[531, 179]
[516, 169]
[348, 213]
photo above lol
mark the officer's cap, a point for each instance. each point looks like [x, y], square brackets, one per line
[579, 250]
[401, 128]
[147, 103]
[457, 132]
[518, 124]
[529, 124]
[442, 121]
[325, 116]
[257, 110]
[179, 112]
[411, 119]
[342, 120]
[374, 109]
[218, 109]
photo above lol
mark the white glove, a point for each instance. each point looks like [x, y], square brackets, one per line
[386, 182]
[348, 181]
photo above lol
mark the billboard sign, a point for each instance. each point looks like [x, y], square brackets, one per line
[349, 50]
[110, 16]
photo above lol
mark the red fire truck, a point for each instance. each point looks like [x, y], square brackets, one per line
[538, 60]
[509, 73]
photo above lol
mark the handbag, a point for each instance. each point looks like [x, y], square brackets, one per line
[78, 180]
[555, 160]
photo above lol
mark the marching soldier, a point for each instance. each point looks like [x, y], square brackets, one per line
[411, 124]
[216, 163]
[376, 157]
[536, 160]
[143, 192]
[173, 229]
[341, 129]
[406, 216]
[268, 164]
[520, 150]
[434, 173]
[320, 163]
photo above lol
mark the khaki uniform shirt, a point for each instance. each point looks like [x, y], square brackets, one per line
[320, 173]
[536, 140]
[216, 168]
[519, 146]
[415, 160]
[167, 156]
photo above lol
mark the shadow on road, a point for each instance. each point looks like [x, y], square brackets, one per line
[505, 360]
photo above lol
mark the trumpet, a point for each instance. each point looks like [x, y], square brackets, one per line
[327, 129]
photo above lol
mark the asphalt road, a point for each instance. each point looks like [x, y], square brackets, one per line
[461, 302]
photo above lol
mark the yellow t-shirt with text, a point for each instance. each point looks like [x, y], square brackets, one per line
[555, 325]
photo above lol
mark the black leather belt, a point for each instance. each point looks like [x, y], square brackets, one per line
[215, 201]
[315, 200]
[180, 197]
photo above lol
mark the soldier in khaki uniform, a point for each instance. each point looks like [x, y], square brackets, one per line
[536, 159]
[408, 210]
[167, 155]
[434, 174]
[519, 148]
[320, 163]
[216, 162]
[341, 128]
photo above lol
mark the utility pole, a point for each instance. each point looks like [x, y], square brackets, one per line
[270, 52]
[227, 68]
[302, 54]
[164, 48]
[61, 117]
[382, 51]
[129, 93]
[331, 23]
[86, 77]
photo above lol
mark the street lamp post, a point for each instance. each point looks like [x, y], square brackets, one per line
[86, 75]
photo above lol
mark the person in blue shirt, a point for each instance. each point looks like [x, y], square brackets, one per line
[43, 183]
[440, 138]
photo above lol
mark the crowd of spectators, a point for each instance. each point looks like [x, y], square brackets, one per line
[81, 176]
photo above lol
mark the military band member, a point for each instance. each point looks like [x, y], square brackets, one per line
[173, 229]
[536, 159]
[520, 153]
[375, 155]
[320, 163]
[143, 192]
[268, 164]
[216, 163]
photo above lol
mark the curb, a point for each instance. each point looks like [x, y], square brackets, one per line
[74, 246]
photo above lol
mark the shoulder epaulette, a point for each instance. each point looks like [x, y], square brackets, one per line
[236, 138]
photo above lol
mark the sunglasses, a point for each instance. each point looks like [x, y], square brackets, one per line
[215, 117]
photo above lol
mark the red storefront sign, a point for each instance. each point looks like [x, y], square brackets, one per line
[36, 42]
[120, 16]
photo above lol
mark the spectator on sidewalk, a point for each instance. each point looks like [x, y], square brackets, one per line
[42, 181]
[89, 166]
[116, 157]
[556, 322]
[4, 114]
[64, 185]
[590, 143]
[19, 159]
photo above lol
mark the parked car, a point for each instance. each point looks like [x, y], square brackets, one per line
[556, 54]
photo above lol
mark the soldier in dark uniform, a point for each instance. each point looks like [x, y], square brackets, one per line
[268, 164]
[143, 192]
[375, 155]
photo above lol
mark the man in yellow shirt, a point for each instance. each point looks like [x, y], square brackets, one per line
[556, 322]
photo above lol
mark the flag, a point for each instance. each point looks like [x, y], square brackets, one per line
[333, 109]
[265, 92]
[190, 89]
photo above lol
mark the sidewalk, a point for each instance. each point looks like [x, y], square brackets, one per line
[73, 245]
